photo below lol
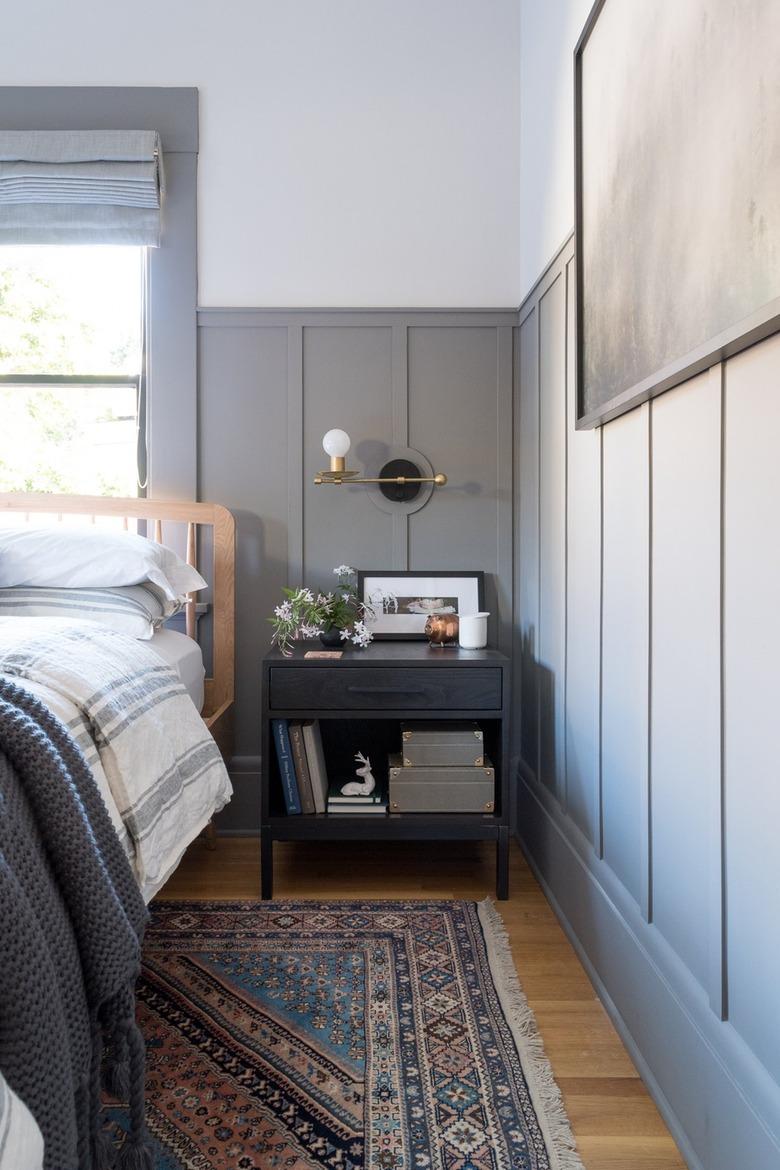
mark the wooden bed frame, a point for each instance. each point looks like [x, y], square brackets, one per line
[219, 689]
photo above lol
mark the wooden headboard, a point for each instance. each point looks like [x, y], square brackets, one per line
[219, 689]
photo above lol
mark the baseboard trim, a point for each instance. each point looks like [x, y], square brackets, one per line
[655, 1090]
[714, 1118]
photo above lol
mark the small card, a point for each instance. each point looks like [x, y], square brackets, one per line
[323, 654]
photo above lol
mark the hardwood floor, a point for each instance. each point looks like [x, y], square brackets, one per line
[616, 1124]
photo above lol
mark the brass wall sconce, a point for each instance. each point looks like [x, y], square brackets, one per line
[399, 480]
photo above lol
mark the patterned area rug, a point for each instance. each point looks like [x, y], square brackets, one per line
[302, 1035]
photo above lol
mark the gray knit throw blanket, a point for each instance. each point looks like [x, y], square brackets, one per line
[71, 926]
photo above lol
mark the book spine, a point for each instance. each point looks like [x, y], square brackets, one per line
[286, 768]
[355, 799]
[316, 759]
[301, 768]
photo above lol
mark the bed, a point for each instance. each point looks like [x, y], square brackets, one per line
[88, 836]
[200, 532]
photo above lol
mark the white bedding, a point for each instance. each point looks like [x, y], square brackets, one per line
[184, 655]
[154, 762]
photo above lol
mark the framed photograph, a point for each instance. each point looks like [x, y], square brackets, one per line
[677, 137]
[400, 602]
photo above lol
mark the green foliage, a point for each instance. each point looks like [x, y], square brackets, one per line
[305, 615]
[71, 438]
[78, 440]
[42, 324]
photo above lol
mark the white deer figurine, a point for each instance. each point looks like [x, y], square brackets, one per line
[361, 787]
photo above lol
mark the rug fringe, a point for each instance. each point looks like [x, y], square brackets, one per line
[545, 1094]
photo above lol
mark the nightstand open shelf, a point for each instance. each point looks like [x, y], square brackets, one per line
[360, 701]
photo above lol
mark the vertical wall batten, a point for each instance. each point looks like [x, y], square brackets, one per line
[527, 550]
[718, 968]
[552, 535]
[646, 829]
[295, 519]
[582, 609]
[600, 842]
[505, 484]
[569, 358]
[400, 374]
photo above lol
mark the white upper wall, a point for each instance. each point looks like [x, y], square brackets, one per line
[353, 153]
[549, 31]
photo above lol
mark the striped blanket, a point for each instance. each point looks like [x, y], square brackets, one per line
[155, 764]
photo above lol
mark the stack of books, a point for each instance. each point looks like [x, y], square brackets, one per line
[374, 803]
[304, 776]
[301, 765]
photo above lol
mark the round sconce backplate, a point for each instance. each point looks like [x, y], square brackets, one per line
[400, 493]
[400, 499]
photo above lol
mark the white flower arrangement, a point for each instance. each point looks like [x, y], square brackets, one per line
[302, 615]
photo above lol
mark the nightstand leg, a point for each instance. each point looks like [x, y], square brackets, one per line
[266, 864]
[502, 863]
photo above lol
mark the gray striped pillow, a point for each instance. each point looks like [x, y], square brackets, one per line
[136, 610]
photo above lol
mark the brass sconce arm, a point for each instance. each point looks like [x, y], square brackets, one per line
[399, 480]
[438, 480]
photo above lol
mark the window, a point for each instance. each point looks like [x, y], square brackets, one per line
[70, 369]
[170, 284]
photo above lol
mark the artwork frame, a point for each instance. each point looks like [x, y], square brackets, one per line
[616, 309]
[464, 587]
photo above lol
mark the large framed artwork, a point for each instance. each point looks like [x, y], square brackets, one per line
[399, 603]
[677, 160]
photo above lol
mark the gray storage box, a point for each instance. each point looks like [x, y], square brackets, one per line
[442, 745]
[427, 789]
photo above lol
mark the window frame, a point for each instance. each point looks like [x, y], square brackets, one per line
[170, 292]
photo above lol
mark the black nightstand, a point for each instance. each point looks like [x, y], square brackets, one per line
[360, 700]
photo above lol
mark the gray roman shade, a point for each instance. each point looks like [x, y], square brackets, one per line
[80, 187]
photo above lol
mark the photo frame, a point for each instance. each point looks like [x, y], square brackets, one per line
[402, 601]
[677, 204]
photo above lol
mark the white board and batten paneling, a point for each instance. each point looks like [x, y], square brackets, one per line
[651, 548]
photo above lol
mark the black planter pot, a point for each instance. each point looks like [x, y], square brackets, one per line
[331, 637]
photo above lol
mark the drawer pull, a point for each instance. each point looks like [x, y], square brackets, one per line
[385, 691]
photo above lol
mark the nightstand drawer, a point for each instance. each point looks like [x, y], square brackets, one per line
[367, 688]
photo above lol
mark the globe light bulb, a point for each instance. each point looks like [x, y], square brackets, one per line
[336, 443]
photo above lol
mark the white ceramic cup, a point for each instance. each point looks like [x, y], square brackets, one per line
[473, 630]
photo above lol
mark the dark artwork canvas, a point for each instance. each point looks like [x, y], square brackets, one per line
[678, 193]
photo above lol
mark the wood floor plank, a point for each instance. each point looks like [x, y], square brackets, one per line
[615, 1122]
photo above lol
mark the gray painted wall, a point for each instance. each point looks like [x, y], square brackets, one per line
[271, 382]
[647, 578]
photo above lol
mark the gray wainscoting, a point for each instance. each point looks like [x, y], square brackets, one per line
[647, 636]
[271, 382]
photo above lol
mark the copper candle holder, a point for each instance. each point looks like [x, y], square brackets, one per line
[442, 629]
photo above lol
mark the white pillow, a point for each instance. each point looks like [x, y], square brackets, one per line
[88, 558]
[135, 610]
